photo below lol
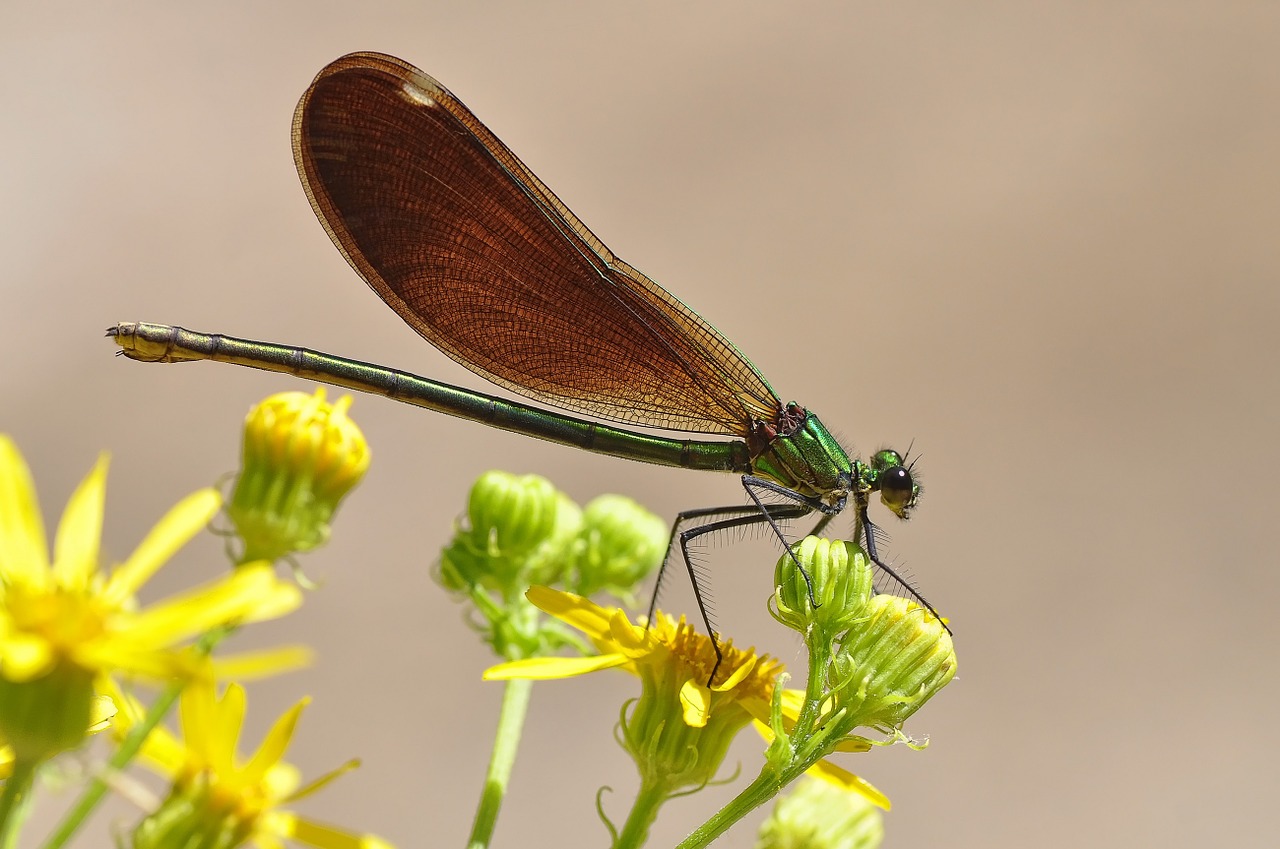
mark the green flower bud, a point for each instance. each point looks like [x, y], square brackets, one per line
[45, 716]
[552, 560]
[620, 543]
[511, 515]
[301, 456]
[514, 523]
[841, 576]
[887, 667]
[192, 815]
[818, 815]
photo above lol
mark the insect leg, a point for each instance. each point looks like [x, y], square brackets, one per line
[866, 530]
[771, 514]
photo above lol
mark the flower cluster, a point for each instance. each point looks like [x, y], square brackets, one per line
[519, 530]
[72, 627]
[76, 646]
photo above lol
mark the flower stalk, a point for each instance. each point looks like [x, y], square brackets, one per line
[873, 661]
[506, 742]
[521, 530]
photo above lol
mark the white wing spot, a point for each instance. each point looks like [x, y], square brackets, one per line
[413, 94]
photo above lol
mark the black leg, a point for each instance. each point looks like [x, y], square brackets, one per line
[736, 516]
[868, 535]
[751, 483]
[683, 518]
[740, 515]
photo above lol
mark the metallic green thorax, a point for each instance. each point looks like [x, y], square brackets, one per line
[798, 452]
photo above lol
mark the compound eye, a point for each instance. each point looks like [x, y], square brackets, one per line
[897, 490]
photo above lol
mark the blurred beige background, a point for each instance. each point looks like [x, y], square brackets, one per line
[1040, 241]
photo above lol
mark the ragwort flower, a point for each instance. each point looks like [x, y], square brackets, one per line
[64, 622]
[219, 799]
[301, 457]
[679, 730]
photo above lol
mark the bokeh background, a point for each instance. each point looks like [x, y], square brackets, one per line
[1040, 240]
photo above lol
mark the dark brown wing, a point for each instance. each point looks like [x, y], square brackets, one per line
[478, 256]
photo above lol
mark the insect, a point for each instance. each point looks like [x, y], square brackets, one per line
[478, 256]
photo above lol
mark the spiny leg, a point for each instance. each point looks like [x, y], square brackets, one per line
[867, 530]
[821, 524]
[682, 518]
[770, 514]
[750, 483]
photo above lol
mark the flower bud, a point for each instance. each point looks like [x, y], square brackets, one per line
[301, 456]
[183, 820]
[619, 544]
[818, 815]
[510, 519]
[887, 668]
[841, 576]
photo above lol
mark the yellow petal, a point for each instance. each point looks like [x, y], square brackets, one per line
[244, 596]
[187, 518]
[196, 718]
[327, 837]
[100, 715]
[269, 829]
[253, 665]
[760, 711]
[833, 774]
[322, 782]
[696, 701]
[163, 752]
[631, 639]
[275, 744]
[23, 555]
[582, 613]
[23, 657]
[284, 598]
[281, 781]
[224, 730]
[75, 551]
[738, 675]
[123, 655]
[547, 668]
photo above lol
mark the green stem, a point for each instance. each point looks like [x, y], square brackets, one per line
[815, 685]
[767, 785]
[13, 801]
[802, 752]
[515, 704]
[97, 788]
[645, 810]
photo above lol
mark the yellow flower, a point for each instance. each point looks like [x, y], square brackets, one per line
[66, 621]
[635, 648]
[301, 457]
[673, 661]
[216, 792]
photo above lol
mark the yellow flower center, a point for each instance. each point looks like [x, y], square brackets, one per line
[62, 618]
[695, 651]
